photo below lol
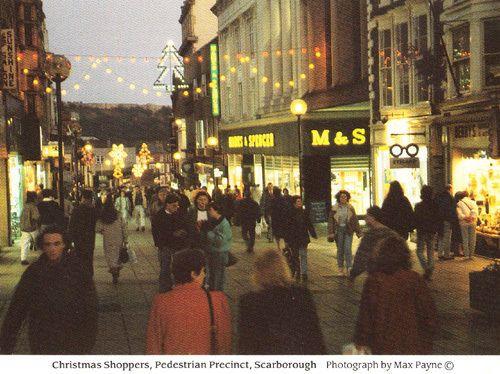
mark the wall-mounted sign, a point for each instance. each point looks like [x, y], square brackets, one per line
[326, 138]
[404, 163]
[8, 51]
[397, 150]
[214, 79]
[50, 150]
[251, 141]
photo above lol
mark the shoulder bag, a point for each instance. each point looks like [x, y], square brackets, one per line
[213, 327]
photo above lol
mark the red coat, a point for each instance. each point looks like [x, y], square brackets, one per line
[179, 323]
[397, 314]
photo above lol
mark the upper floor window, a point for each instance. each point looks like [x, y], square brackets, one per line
[385, 63]
[402, 64]
[492, 52]
[420, 51]
[461, 56]
[200, 134]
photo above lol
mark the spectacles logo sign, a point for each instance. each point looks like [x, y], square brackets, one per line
[357, 137]
[397, 150]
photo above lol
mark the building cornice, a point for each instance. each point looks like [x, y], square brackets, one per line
[185, 9]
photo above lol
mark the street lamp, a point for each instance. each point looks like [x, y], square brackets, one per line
[213, 142]
[298, 107]
[57, 69]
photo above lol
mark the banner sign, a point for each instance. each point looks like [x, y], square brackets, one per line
[404, 163]
[8, 57]
[214, 79]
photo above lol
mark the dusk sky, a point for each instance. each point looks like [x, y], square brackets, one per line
[139, 28]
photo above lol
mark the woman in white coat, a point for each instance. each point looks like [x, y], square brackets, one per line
[467, 213]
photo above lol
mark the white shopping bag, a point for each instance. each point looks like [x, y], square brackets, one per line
[132, 255]
[258, 229]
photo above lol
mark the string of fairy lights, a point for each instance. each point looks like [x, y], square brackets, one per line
[230, 62]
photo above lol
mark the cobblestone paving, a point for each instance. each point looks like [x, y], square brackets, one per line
[124, 309]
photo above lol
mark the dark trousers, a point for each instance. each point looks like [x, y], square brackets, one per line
[165, 258]
[86, 256]
[248, 234]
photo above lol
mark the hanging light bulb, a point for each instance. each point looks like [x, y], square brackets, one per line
[109, 70]
[25, 71]
[311, 66]
[265, 79]
[76, 87]
[277, 85]
[232, 70]
[94, 66]
[158, 94]
[131, 86]
[64, 92]
[291, 83]
[48, 90]
[303, 76]
[222, 78]
[145, 91]
[119, 79]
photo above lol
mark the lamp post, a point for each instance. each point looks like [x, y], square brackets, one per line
[298, 107]
[57, 69]
[213, 142]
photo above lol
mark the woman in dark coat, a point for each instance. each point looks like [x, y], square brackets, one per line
[280, 318]
[298, 229]
[280, 210]
[398, 211]
[397, 314]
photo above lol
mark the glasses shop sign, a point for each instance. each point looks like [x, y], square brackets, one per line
[397, 162]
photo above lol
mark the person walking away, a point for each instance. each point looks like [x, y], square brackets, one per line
[278, 318]
[447, 218]
[122, 205]
[265, 206]
[56, 296]
[170, 232]
[248, 212]
[112, 228]
[139, 203]
[158, 201]
[397, 314]
[217, 195]
[398, 211]
[467, 213]
[29, 222]
[342, 224]
[81, 230]
[364, 258]
[220, 239]
[50, 212]
[426, 222]
[228, 205]
[180, 320]
[280, 212]
[298, 229]
[198, 221]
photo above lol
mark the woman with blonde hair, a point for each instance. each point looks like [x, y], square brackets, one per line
[279, 318]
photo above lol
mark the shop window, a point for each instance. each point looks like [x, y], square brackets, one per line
[251, 37]
[420, 52]
[402, 64]
[385, 66]
[461, 56]
[492, 52]
[241, 104]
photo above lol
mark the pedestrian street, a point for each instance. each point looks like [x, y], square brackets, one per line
[124, 309]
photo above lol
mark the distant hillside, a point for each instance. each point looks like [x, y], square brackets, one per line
[123, 122]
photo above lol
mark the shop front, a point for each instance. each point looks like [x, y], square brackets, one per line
[400, 153]
[473, 169]
[336, 155]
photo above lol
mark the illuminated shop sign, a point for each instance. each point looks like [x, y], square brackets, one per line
[8, 52]
[252, 141]
[327, 138]
[214, 79]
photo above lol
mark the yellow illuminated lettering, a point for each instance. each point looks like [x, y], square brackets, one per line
[340, 139]
[359, 136]
[320, 140]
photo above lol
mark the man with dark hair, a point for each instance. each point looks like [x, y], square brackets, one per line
[81, 230]
[50, 212]
[369, 241]
[185, 262]
[447, 208]
[56, 295]
[248, 212]
[158, 201]
[170, 235]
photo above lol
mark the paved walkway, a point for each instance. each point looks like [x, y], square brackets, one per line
[124, 309]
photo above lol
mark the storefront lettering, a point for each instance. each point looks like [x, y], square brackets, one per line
[252, 141]
[358, 137]
[470, 131]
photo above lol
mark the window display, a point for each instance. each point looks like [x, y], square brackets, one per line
[352, 174]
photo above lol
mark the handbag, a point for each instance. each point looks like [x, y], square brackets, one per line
[123, 258]
[213, 327]
[231, 259]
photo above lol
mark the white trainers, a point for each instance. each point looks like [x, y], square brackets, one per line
[340, 272]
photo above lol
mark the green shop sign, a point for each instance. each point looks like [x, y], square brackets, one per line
[214, 79]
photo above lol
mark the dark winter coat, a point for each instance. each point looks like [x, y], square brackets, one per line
[280, 210]
[60, 303]
[197, 238]
[397, 315]
[248, 211]
[399, 215]
[427, 217]
[163, 226]
[82, 232]
[50, 213]
[279, 321]
[447, 207]
[298, 228]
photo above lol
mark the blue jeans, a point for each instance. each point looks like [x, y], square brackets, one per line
[165, 258]
[344, 247]
[469, 239]
[425, 242]
[216, 270]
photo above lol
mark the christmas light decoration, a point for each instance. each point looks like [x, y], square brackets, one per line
[171, 69]
[118, 155]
